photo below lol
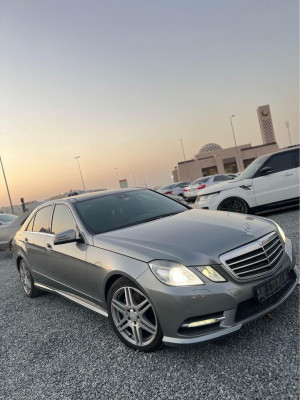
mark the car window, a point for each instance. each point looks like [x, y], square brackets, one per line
[168, 186]
[120, 210]
[62, 219]
[220, 178]
[280, 162]
[41, 221]
[200, 180]
[7, 218]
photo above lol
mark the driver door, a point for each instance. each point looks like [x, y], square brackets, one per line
[279, 185]
[66, 263]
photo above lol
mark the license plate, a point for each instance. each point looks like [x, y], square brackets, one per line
[267, 289]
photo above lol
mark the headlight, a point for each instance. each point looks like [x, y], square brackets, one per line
[174, 274]
[211, 273]
[208, 196]
[280, 231]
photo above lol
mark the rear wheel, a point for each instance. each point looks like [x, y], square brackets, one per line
[27, 280]
[234, 204]
[133, 317]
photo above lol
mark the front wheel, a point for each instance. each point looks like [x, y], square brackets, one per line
[234, 204]
[133, 317]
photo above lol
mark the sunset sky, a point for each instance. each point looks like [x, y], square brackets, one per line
[120, 82]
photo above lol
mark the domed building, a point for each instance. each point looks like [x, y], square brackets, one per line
[207, 148]
[213, 159]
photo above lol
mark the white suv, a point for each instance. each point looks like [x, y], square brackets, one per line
[270, 181]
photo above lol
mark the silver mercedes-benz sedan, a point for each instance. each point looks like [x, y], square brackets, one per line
[160, 271]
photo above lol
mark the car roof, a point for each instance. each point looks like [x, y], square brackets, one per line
[88, 196]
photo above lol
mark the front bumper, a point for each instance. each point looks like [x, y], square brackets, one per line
[175, 305]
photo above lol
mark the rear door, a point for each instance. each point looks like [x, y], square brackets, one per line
[281, 184]
[34, 241]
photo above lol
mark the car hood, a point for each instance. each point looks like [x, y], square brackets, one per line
[195, 237]
[218, 187]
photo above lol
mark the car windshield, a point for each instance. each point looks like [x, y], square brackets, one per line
[7, 217]
[251, 170]
[200, 180]
[123, 209]
[168, 186]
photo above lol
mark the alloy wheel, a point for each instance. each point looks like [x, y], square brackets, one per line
[25, 278]
[234, 205]
[134, 316]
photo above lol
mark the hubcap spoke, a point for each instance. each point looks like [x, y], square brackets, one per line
[119, 306]
[147, 326]
[137, 335]
[128, 297]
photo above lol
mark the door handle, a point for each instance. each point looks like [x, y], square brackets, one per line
[289, 173]
[49, 247]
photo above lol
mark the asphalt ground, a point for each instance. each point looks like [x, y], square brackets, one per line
[52, 348]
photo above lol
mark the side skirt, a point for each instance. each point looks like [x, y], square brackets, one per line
[77, 299]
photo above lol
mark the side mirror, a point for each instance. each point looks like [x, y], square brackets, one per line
[68, 236]
[266, 171]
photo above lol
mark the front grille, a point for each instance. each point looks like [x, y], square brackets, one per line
[256, 258]
[251, 307]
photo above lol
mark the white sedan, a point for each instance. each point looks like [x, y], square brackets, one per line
[271, 181]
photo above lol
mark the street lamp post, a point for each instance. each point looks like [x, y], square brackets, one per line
[77, 158]
[287, 124]
[187, 170]
[236, 150]
[11, 206]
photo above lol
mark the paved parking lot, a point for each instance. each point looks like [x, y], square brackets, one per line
[52, 348]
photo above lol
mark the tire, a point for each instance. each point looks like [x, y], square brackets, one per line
[234, 204]
[132, 316]
[27, 280]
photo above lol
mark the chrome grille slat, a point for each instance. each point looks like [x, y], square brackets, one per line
[275, 242]
[248, 265]
[256, 269]
[279, 254]
[264, 255]
[248, 258]
[273, 252]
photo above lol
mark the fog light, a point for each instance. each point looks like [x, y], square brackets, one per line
[203, 322]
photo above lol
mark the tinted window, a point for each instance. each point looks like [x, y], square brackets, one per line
[200, 180]
[280, 162]
[119, 210]
[220, 178]
[168, 186]
[7, 218]
[62, 219]
[41, 221]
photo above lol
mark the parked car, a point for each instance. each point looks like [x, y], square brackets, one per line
[161, 272]
[174, 189]
[7, 218]
[192, 191]
[269, 182]
[8, 231]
